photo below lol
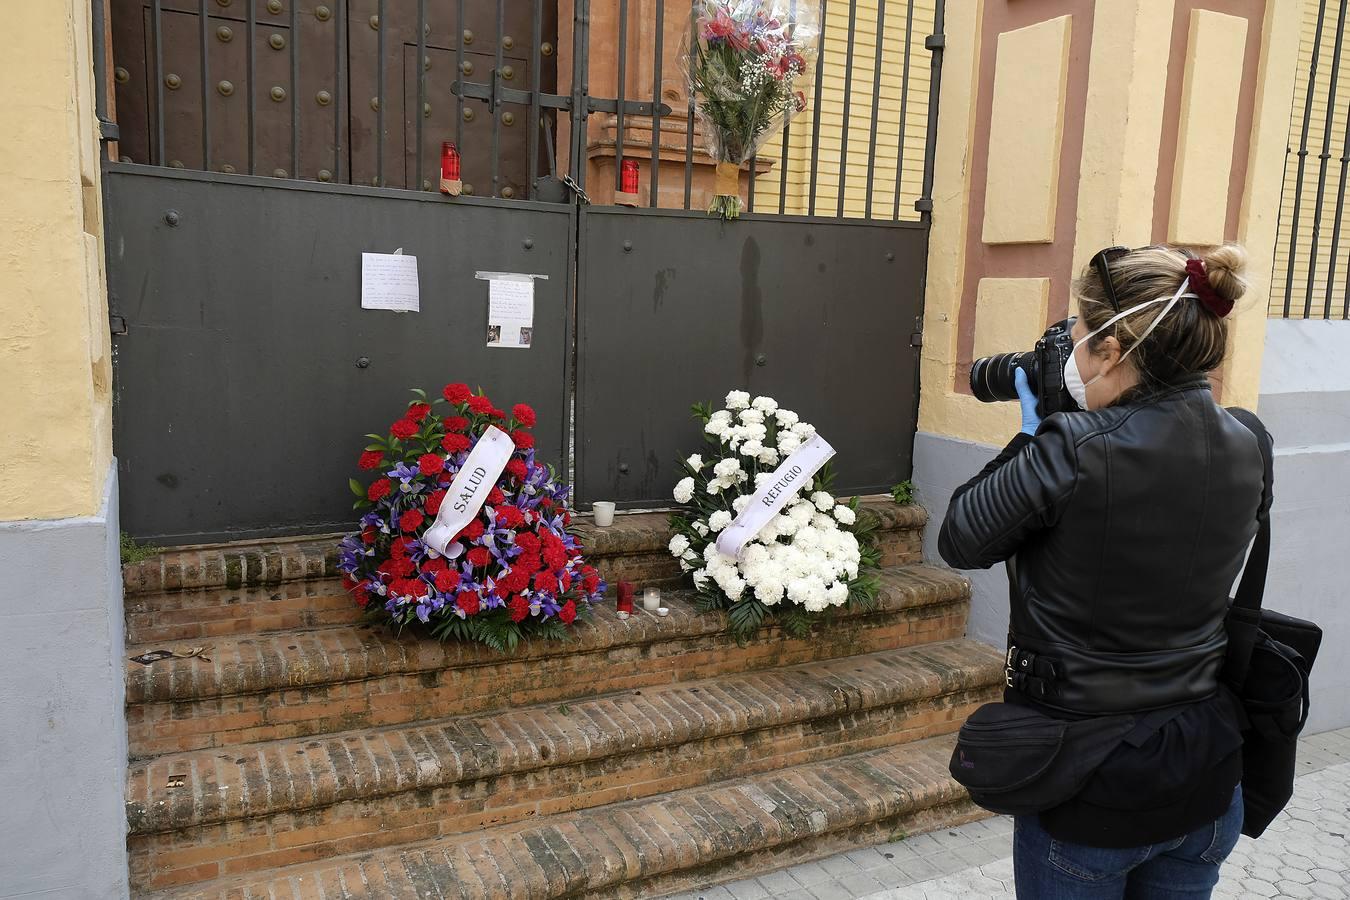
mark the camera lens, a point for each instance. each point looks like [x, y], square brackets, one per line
[991, 378]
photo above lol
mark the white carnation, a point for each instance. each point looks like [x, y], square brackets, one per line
[762, 478]
[738, 400]
[765, 404]
[716, 427]
[845, 515]
[822, 522]
[684, 490]
[804, 430]
[837, 594]
[719, 520]
[752, 448]
[752, 417]
[685, 567]
[740, 503]
[678, 545]
[727, 470]
[823, 501]
[701, 529]
[700, 578]
[788, 443]
[786, 418]
[768, 457]
[802, 511]
[694, 462]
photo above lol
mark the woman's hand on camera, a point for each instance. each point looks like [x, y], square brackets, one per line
[1027, 397]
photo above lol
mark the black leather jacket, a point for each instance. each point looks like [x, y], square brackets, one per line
[1124, 530]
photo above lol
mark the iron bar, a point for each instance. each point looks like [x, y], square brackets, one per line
[815, 113]
[1303, 157]
[459, 78]
[157, 27]
[251, 29]
[99, 49]
[904, 110]
[295, 87]
[787, 136]
[848, 105]
[494, 104]
[750, 190]
[935, 43]
[203, 39]
[582, 137]
[1323, 158]
[421, 113]
[379, 94]
[622, 85]
[534, 124]
[656, 102]
[689, 121]
[339, 94]
[876, 105]
[1340, 208]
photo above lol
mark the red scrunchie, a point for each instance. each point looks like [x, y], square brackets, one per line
[1200, 286]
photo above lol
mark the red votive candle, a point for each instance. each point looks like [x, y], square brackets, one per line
[629, 176]
[450, 180]
[625, 602]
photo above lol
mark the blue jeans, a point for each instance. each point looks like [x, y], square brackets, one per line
[1184, 869]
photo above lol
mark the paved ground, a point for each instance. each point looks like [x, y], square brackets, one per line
[1304, 854]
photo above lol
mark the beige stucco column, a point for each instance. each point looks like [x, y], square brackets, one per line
[1069, 125]
[55, 358]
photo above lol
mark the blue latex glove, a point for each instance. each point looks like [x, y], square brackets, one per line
[1030, 419]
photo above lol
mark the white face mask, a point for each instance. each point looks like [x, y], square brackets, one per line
[1073, 379]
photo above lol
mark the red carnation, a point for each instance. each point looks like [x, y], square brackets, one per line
[528, 541]
[473, 531]
[399, 548]
[568, 613]
[523, 439]
[371, 459]
[467, 601]
[362, 596]
[554, 558]
[546, 582]
[503, 587]
[496, 413]
[516, 580]
[447, 581]
[411, 520]
[430, 463]
[403, 429]
[456, 423]
[418, 411]
[510, 517]
[368, 534]
[479, 556]
[480, 405]
[434, 500]
[404, 566]
[434, 566]
[565, 582]
[418, 588]
[516, 469]
[457, 392]
[591, 584]
[528, 562]
[454, 443]
[495, 496]
[523, 414]
[519, 607]
[379, 488]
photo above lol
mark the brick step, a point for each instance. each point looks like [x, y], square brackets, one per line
[210, 591]
[646, 847]
[288, 685]
[290, 801]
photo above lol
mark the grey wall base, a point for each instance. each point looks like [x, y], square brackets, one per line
[1305, 403]
[63, 741]
[942, 464]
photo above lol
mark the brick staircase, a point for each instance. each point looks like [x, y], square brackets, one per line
[312, 756]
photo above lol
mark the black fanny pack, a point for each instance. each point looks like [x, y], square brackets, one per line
[1016, 760]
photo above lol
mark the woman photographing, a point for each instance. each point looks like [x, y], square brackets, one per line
[1124, 524]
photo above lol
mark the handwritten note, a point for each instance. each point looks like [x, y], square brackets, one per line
[511, 312]
[389, 281]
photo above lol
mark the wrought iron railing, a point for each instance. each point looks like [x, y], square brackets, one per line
[306, 72]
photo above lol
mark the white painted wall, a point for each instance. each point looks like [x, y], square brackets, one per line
[63, 734]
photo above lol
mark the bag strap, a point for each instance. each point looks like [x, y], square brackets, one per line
[1252, 587]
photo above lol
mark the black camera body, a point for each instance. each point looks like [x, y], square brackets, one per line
[991, 378]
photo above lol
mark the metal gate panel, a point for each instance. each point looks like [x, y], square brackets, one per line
[676, 308]
[248, 371]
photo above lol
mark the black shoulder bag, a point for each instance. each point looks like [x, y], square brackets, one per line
[1269, 658]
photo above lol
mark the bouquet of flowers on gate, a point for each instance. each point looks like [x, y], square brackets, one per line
[513, 571]
[813, 555]
[743, 65]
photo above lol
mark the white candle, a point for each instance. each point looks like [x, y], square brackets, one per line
[651, 599]
[603, 511]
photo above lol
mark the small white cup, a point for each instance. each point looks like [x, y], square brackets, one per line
[603, 511]
[663, 611]
[651, 599]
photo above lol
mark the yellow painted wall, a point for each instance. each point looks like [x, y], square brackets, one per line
[55, 358]
[1301, 292]
[888, 139]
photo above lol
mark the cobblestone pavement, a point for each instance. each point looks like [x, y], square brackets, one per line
[1304, 854]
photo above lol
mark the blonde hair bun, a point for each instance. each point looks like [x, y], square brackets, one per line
[1225, 265]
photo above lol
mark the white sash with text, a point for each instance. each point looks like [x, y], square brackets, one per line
[469, 490]
[789, 478]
